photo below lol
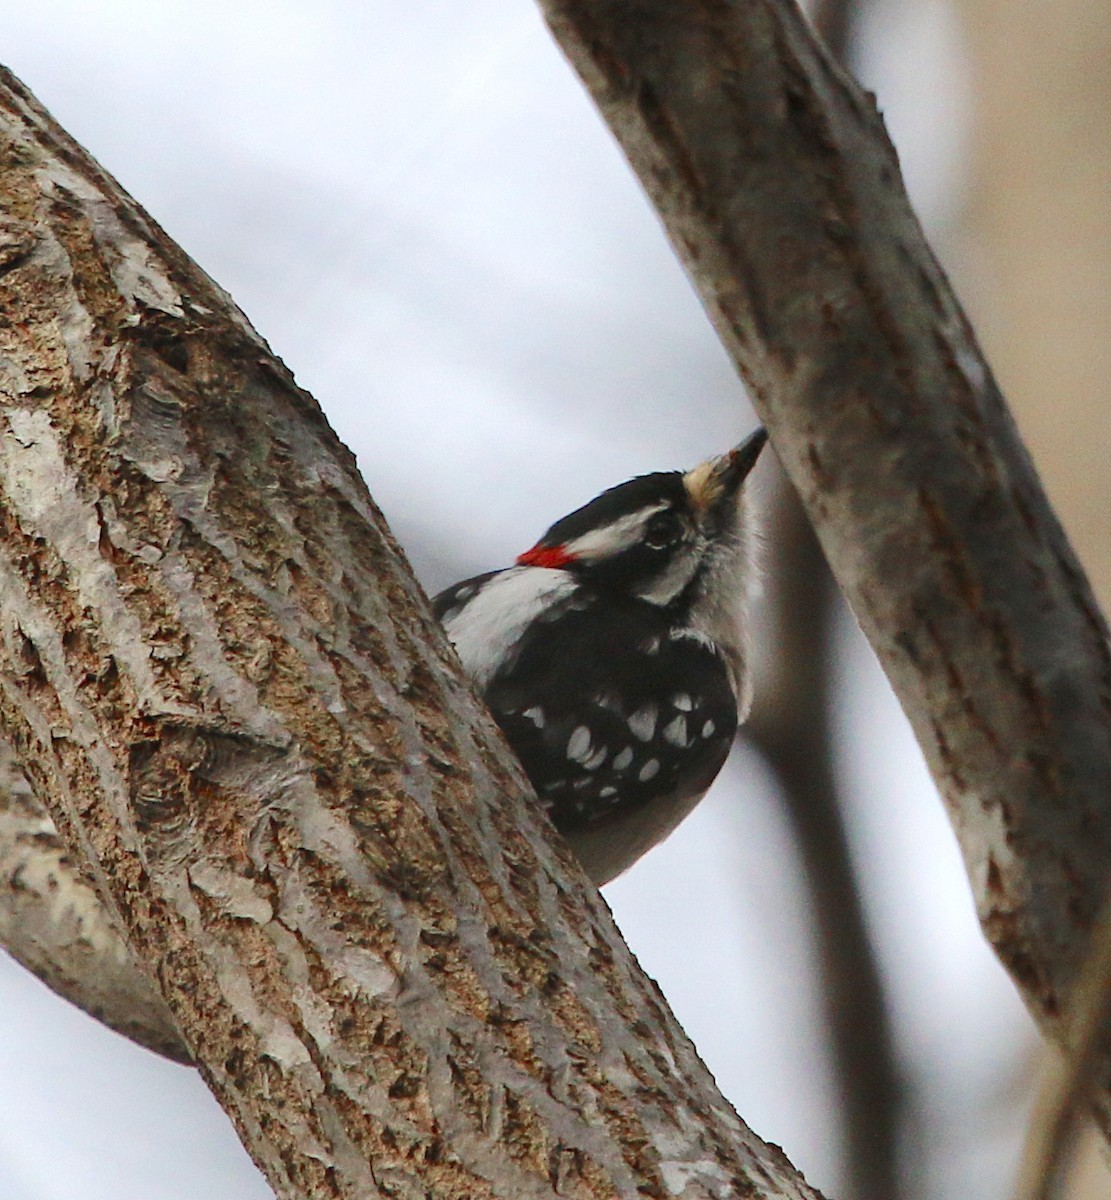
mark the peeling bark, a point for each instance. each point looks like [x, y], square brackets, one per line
[782, 195]
[227, 689]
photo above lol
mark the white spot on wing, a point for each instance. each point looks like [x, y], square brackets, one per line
[622, 761]
[682, 701]
[596, 760]
[708, 729]
[643, 722]
[535, 715]
[579, 746]
[676, 732]
[650, 769]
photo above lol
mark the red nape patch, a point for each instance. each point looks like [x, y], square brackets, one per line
[545, 556]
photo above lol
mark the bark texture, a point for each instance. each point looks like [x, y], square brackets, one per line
[227, 689]
[53, 922]
[794, 695]
[782, 194]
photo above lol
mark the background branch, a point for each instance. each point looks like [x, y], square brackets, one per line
[789, 725]
[781, 193]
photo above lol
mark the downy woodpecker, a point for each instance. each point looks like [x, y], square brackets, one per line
[613, 655]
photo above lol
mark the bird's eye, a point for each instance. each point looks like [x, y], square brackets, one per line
[663, 530]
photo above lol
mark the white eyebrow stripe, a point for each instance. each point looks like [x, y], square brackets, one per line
[617, 535]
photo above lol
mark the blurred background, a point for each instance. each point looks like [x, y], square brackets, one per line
[420, 210]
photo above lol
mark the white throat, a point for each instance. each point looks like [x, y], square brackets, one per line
[721, 614]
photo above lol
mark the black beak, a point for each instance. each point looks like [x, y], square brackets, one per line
[741, 459]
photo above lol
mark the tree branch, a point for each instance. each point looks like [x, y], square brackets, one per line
[227, 688]
[834, 19]
[781, 193]
[52, 921]
[789, 725]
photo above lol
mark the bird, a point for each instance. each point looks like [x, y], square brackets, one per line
[614, 653]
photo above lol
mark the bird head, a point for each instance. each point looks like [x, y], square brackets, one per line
[672, 538]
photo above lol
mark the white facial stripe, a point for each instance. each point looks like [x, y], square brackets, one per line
[498, 616]
[664, 588]
[720, 611]
[617, 536]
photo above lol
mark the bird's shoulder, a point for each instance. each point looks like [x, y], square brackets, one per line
[448, 602]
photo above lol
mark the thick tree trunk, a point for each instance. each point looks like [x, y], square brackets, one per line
[782, 195]
[227, 689]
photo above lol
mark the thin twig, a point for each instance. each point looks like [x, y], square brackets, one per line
[1067, 1079]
